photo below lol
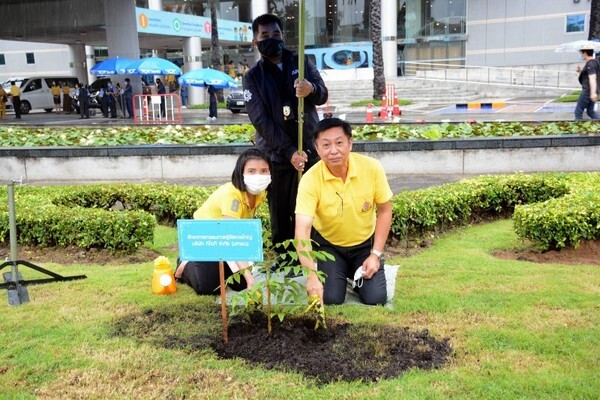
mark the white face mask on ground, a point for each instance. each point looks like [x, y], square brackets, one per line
[256, 183]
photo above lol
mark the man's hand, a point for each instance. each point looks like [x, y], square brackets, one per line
[370, 266]
[303, 87]
[314, 286]
[299, 161]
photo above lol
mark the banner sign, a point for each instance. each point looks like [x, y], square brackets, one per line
[220, 240]
[186, 25]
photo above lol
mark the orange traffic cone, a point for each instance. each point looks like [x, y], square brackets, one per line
[396, 110]
[370, 114]
[384, 112]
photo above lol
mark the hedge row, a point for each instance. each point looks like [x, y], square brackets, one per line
[563, 222]
[438, 208]
[561, 209]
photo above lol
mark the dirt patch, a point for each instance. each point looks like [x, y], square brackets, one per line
[74, 255]
[343, 351]
[588, 253]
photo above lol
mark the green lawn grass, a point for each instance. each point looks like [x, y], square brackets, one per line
[519, 330]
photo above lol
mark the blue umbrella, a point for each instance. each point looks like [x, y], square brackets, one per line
[207, 76]
[152, 66]
[111, 66]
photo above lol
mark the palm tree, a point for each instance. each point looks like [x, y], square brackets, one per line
[215, 56]
[375, 31]
[595, 20]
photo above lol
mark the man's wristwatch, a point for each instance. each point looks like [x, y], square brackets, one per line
[378, 253]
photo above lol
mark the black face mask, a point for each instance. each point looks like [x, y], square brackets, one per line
[270, 47]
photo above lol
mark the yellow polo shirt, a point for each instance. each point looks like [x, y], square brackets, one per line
[344, 212]
[15, 91]
[228, 201]
[55, 90]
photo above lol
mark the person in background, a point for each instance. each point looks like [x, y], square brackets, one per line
[3, 100]
[272, 90]
[83, 96]
[184, 95]
[589, 87]
[55, 91]
[237, 199]
[161, 90]
[103, 101]
[15, 95]
[67, 106]
[111, 100]
[231, 69]
[344, 205]
[212, 102]
[128, 98]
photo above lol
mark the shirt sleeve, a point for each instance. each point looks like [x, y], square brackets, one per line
[265, 120]
[307, 198]
[232, 206]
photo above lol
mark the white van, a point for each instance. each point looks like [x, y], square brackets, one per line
[35, 92]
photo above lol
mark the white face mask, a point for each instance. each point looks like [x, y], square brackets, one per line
[256, 183]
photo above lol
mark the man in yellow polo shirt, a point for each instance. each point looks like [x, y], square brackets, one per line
[15, 94]
[344, 205]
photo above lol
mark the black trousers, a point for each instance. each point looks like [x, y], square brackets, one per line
[347, 260]
[17, 106]
[203, 277]
[282, 201]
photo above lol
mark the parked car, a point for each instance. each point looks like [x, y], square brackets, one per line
[35, 92]
[235, 101]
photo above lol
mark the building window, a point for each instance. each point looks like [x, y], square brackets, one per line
[575, 23]
[30, 58]
[2, 60]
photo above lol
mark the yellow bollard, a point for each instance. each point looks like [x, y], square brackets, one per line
[163, 281]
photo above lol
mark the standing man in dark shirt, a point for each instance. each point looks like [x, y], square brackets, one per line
[589, 87]
[271, 92]
[161, 90]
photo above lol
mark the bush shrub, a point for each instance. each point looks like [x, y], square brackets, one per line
[552, 210]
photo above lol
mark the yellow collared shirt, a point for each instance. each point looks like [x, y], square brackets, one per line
[344, 212]
[15, 91]
[228, 201]
[55, 90]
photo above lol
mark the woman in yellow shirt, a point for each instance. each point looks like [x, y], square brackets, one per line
[66, 98]
[55, 90]
[237, 199]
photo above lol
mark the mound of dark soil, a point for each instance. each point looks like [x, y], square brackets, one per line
[588, 253]
[340, 352]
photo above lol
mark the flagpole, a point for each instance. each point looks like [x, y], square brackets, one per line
[301, 78]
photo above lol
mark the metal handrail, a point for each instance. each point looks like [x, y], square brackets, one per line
[522, 77]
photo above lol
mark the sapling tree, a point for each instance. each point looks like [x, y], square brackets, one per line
[283, 296]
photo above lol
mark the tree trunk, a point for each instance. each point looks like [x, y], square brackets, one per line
[595, 20]
[215, 46]
[375, 31]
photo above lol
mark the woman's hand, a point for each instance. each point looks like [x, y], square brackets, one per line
[249, 278]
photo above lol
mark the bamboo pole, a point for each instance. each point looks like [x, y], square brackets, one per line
[301, 78]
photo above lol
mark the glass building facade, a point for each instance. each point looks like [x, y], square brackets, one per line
[427, 30]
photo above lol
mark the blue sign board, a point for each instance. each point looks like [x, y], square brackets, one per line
[220, 240]
[176, 24]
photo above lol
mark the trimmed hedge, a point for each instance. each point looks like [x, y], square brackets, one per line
[438, 208]
[552, 210]
[563, 222]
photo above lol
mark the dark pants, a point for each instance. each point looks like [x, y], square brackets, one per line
[104, 105]
[129, 106]
[84, 109]
[203, 277]
[16, 101]
[282, 201]
[212, 107]
[347, 260]
[584, 103]
[163, 110]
